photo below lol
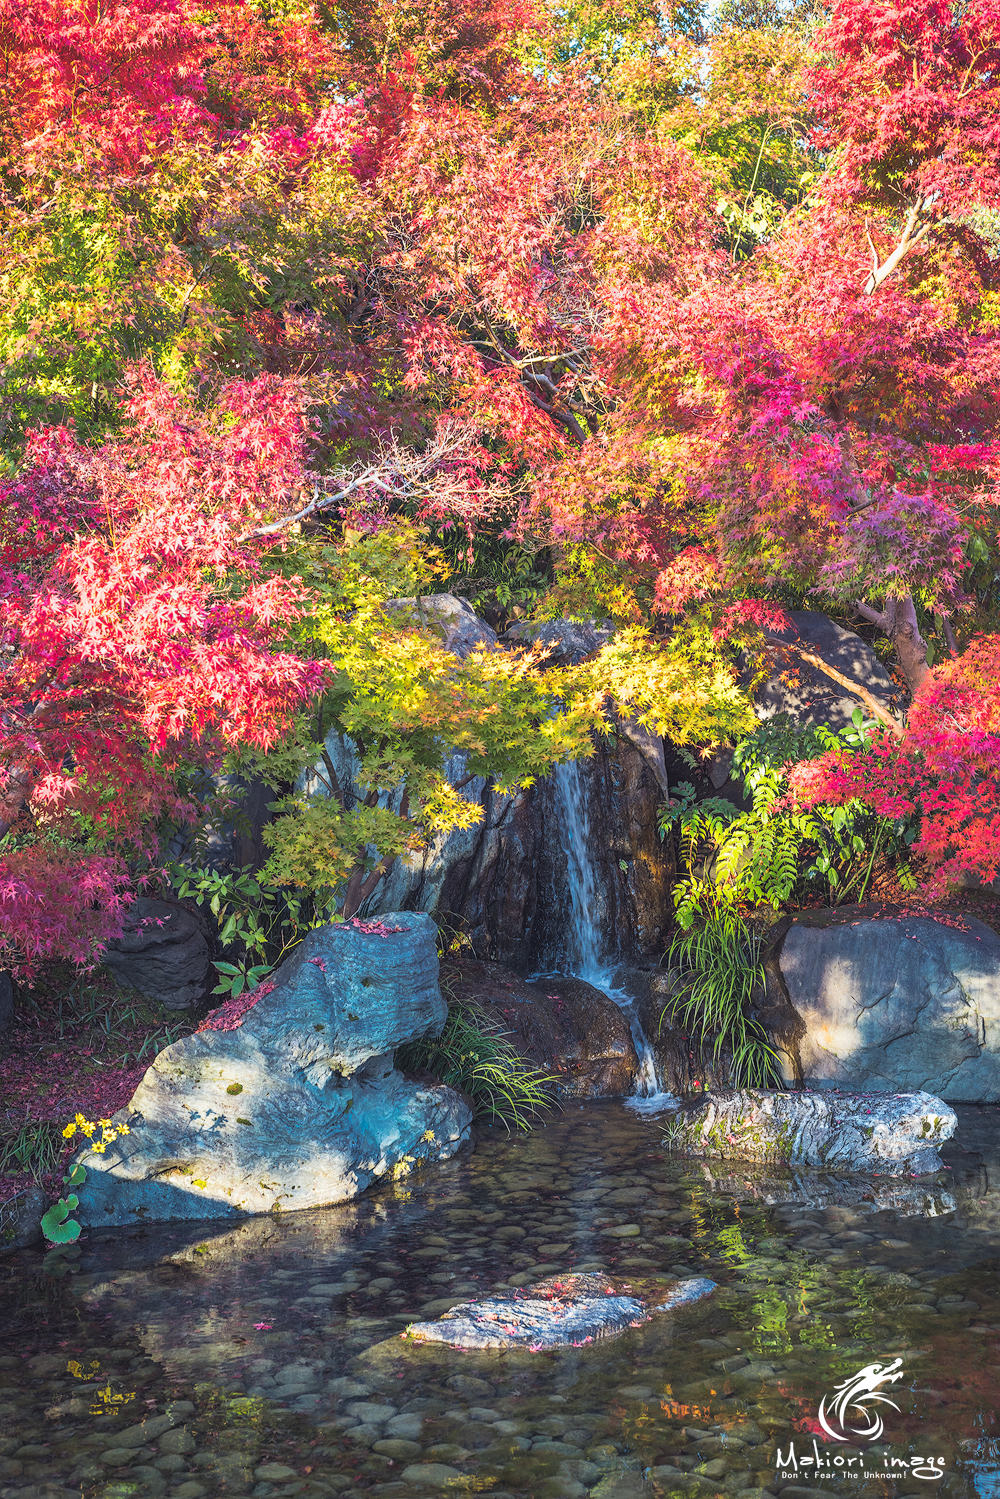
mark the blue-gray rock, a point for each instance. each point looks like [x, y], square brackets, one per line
[568, 1310]
[885, 1134]
[808, 695]
[893, 1004]
[451, 619]
[298, 1104]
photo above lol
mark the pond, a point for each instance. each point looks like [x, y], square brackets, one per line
[266, 1358]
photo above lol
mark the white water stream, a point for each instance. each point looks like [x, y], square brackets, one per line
[586, 956]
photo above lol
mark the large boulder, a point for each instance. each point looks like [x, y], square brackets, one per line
[891, 1002]
[288, 1099]
[451, 619]
[807, 694]
[164, 952]
[568, 641]
[565, 1028]
[886, 1135]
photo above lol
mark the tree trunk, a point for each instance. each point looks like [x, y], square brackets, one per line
[899, 621]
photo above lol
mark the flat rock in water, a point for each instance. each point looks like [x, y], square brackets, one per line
[884, 1133]
[565, 1310]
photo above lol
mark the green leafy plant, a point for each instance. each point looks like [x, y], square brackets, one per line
[259, 923]
[769, 854]
[472, 1054]
[57, 1225]
[719, 970]
[61, 1230]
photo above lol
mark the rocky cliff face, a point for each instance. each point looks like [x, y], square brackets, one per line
[504, 882]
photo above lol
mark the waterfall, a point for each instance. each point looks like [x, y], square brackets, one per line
[585, 955]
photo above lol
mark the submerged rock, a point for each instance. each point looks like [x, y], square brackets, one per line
[887, 1134]
[289, 1100]
[568, 1310]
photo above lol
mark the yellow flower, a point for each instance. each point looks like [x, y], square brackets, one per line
[69, 1131]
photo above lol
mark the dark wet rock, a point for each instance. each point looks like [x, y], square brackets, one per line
[562, 1026]
[680, 1063]
[297, 1106]
[886, 1135]
[451, 619]
[21, 1219]
[568, 1310]
[806, 694]
[164, 953]
[891, 1002]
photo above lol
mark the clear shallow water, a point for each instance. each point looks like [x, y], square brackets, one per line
[815, 1284]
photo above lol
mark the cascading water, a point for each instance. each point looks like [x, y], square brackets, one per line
[585, 954]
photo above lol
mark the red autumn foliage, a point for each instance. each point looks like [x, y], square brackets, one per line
[143, 638]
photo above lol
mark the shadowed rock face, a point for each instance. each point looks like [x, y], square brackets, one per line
[504, 881]
[564, 1027]
[891, 1003]
[163, 952]
[888, 1135]
[297, 1106]
[805, 693]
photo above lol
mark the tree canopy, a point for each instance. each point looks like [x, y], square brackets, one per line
[637, 314]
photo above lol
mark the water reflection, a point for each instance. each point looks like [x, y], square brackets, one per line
[264, 1358]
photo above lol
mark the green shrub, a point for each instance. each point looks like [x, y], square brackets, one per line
[473, 1055]
[770, 855]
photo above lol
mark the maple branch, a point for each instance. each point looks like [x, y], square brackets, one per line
[871, 615]
[854, 688]
[949, 636]
[908, 241]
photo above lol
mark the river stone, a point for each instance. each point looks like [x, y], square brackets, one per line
[884, 1134]
[568, 1310]
[898, 1003]
[297, 1106]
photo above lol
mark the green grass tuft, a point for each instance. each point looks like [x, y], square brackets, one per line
[473, 1055]
[719, 970]
[34, 1147]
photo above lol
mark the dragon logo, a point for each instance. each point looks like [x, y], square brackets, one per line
[855, 1399]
